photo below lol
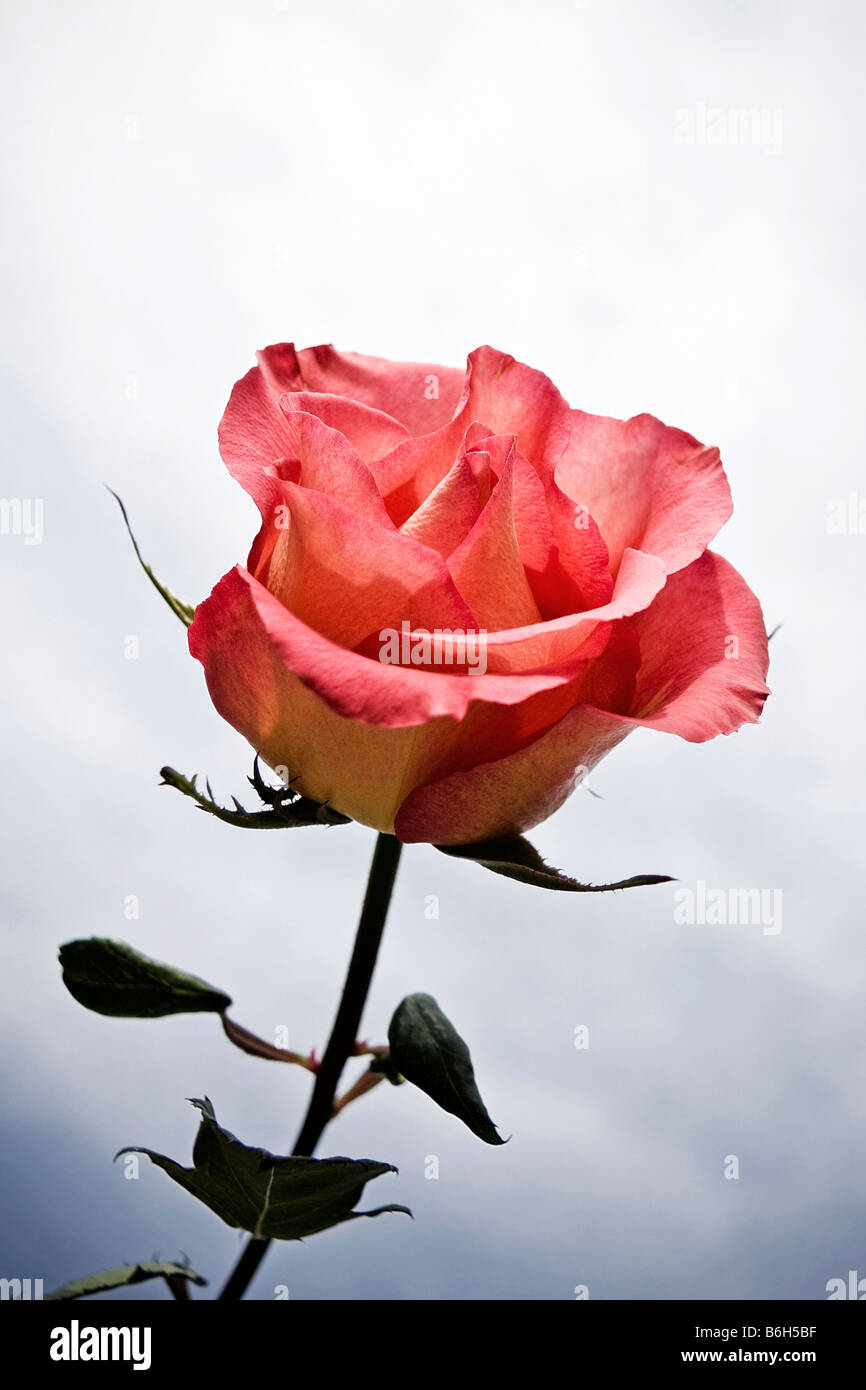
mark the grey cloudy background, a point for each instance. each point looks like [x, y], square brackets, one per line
[187, 182]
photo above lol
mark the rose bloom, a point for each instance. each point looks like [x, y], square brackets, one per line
[566, 554]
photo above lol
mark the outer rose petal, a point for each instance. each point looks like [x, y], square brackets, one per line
[647, 485]
[686, 685]
[492, 732]
[262, 666]
[704, 657]
[515, 793]
[360, 768]
[353, 685]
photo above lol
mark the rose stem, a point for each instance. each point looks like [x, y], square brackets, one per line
[380, 884]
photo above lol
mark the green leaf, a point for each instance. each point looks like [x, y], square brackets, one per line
[120, 1277]
[515, 857]
[181, 610]
[428, 1051]
[111, 978]
[285, 808]
[271, 1197]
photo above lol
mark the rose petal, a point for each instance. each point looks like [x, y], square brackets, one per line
[412, 471]
[487, 566]
[582, 578]
[489, 732]
[449, 513]
[330, 464]
[563, 554]
[370, 690]
[370, 432]
[704, 656]
[514, 793]
[517, 400]
[640, 578]
[253, 434]
[252, 431]
[503, 397]
[348, 725]
[686, 684]
[358, 768]
[648, 486]
[421, 396]
[347, 577]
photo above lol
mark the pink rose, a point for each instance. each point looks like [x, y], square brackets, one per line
[464, 593]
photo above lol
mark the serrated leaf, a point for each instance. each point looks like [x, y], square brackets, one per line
[121, 1276]
[285, 808]
[515, 857]
[269, 1196]
[181, 610]
[428, 1051]
[111, 978]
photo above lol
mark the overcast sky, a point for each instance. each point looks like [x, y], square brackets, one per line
[571, 182]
